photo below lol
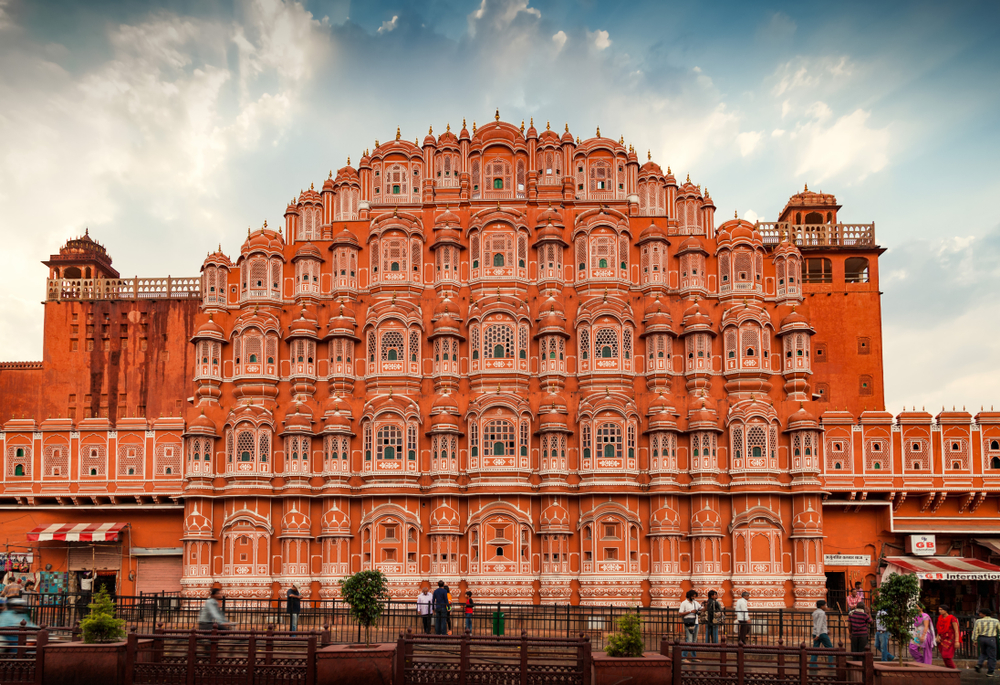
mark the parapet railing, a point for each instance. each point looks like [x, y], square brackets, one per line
[806, 235]
[168, 288]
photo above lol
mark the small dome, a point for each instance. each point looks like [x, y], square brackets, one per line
[550, 233]
[447, 219]
[342, 321]
[264, 240]
[209, 331]
[304, 327]
[551, 318]
[308, 251]
[695, 319]
[295, 523]
[202, 425]
[300, 421]
[703, 417]
[794, 321]
[549, 215]
[345, 239]
[651, 232]
[691, 245]
[335, 523]
[802, 420]
[555, 518]
[448, 139]
[444, 519]
[650, 168]
[657, 318]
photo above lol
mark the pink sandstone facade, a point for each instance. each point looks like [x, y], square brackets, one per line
[529, 365]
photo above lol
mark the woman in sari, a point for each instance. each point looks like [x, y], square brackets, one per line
[947, 635]
[922, 644]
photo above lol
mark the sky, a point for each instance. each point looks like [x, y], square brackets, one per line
[167, 128]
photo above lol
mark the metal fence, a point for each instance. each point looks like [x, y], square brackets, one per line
[146, 612]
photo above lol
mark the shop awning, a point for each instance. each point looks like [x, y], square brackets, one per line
[78, 532]
[947, 568]
[992, 544]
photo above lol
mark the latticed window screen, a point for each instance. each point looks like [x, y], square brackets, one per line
[498, 437]
[474, 336]
[264, 447]
[602, 252]
[411, 442]
[389, 442]
[606, 343]
[956, 454]
[522, 342]
[167, 458]
[524, 437]
[474, 437]
[838, 455]
[55, 461]
[520, 176]
[742, 263]
[393, 255]
[739, 449]
[623, 253]
[246, 450]
[627, 344]
[877, 456]
[584, 342]
[374, 250]
[93, 460]
[498, 341]
[130, 459]
[585, 439]
[756, 446]
[751, 341]
[392, 346]
[414, 346]
[609, 440]
[477, 182]
[499, 169]
[601, 176]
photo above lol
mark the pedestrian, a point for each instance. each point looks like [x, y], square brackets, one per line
[947, 635]
[820, 631]
[440, 603]
[424, 601]
[449, 608]
[211, 613]
[13, 589]
[984, 634]
[922, 643]
[882, 636]
[294, 602]
[469, 607]
[15, 612]
[715, 615]
[854, 597]
[689, 615]
[860, 623]
[742, 610]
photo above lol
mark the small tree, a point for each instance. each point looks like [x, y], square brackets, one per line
[897, 597]
[365, 592]
[628, 640]
[100, 625]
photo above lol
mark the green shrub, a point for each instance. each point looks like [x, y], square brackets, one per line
[897, 597]
[365, 592]
[100, 625]
[628, 640]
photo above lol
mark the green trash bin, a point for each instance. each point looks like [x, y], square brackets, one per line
[498, 621]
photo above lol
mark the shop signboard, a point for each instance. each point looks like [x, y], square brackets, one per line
[959, 575]
[923, 545]
[847, 560]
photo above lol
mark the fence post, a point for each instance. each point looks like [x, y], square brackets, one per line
[524, 657]
[841, 662]
[803, 665]
[192, 656]
[311, 661]
[41, 640]
[869, 665]
[781, 624]
[130, 647]
[158, 643]
[723, 667]
[251, 657]
[22, 639]
[269, 645]
[463, 661]
[676, 664]
[400, 667]
[588, 659]
[740, 663]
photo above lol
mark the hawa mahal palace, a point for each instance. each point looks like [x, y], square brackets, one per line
[533, 366]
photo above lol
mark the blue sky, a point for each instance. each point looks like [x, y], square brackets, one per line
[170, 127]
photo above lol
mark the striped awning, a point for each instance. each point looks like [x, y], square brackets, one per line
[947, 568]
[77, 532]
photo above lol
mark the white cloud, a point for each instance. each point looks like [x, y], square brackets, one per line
[388, 26]
[4, 17]
[848, 147]
[600, 39]
[777, 133]
[750, 216]
[500, 14]
[779, 27]
[559, 39]
[748, 141]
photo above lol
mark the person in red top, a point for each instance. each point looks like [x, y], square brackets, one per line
[947, 635]
[469, 607]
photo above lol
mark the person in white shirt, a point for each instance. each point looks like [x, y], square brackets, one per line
[743, 617]
[689, 616]
[424, 600]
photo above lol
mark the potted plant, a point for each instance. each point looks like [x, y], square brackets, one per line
[100, 625]
[100, 658]
[625, 657]
[365, 593]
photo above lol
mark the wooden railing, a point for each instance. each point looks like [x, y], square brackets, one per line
[168, 288]
[806, 235]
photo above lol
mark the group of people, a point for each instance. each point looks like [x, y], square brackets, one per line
[713, 614]
[436, 606]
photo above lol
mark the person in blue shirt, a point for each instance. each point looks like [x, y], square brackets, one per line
[16, 611]
[440, 603]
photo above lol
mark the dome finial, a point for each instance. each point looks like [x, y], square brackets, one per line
[522, 126]
[598, 130]
[497, 115]
[688, 178]
[567, 127]
[736, 214]
[806, 190]
[312, 186]
[649, 155]
[331, 170]
[473, 127]
[430, 130]
[532, 122]
[398, 136]
[448, 127]
[348, 160]
[548, 126]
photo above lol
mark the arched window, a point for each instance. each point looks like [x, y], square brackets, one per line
[606, 343]
[389, 442]
[498, 438]
[609, 440]
[498, 341]
[498, 259]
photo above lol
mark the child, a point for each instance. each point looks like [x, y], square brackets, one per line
[469, 606]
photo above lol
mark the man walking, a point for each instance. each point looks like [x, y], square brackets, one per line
[882, 637]
[820, 632]
[742, 610]
[689, 615]
[440, 602]
[860, 622]
[984, 634]
[424, 600]
[211, 614]
[294, 607]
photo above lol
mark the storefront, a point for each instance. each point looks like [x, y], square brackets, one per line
[93, 556]
[962, 583]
